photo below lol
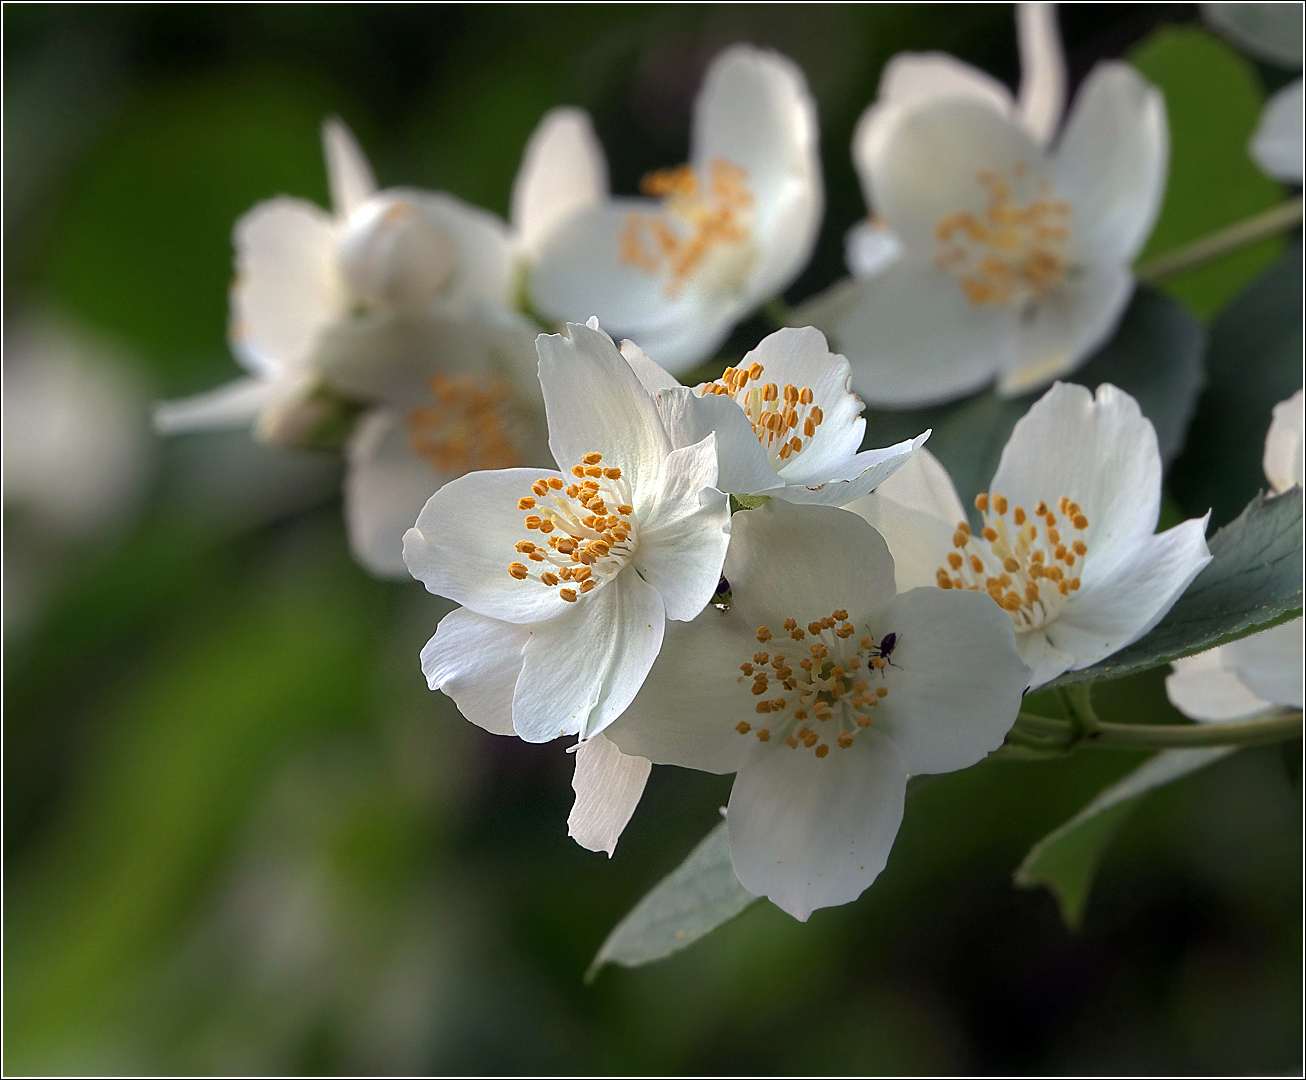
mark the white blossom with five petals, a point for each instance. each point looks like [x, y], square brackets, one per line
[567, 578]
[823, 691]
[710, 242]
[786, 421]
[1261, 671]
[1068, 547]
[1011, 247]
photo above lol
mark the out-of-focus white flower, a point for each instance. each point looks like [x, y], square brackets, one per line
[786, 421]
[1273, 33]
[1260, 671]
[714, 238]
[567, 579]
[998, 252]
[1068, 546]
[823, 690]
[303, 274]
[76, 443]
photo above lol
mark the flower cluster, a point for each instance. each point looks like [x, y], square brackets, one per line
[721, 576]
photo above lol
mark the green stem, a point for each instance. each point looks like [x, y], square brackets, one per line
[1275, 220]
[1039, 731]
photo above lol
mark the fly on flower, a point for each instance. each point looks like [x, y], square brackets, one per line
[710, 241]
[1010, 248]
[823, 691]
[567, 577]
[1067, 546]
[786, 421]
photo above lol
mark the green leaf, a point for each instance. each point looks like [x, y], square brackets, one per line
[1213, 102]
[1066, 860]
[1253, 362]
[1253, 582]
[747, 502]
[691, 901]
[1155, 355]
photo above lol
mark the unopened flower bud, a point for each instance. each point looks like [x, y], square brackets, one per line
[395, 257]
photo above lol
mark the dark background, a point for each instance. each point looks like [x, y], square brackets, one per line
[241, 835]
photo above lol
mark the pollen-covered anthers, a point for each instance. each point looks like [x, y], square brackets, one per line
[466, 427]
[587, 529]
[817, 692]
[1028, 561]
[784, 418]
[716, 215]
[1010, 253]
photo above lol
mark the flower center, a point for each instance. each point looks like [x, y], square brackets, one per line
[1028, 571]
[588, 529]
[465, 427]
[711, 237]
[783, 419]
[825, 690]
[1009, 254]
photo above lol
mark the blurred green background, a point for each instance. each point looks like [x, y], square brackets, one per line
[240, 833]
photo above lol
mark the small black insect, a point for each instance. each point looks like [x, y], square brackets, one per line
[885, 649]
[721, 598]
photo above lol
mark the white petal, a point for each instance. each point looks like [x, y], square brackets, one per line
[234, 404]
[811, 832]
[1066, 327]
[1277, 145]
[466, 536]
[869, 247]
[653, 377]
[386, 486]
[1283, 445]
[929, 162]
[484, 270]
[684, 535]
[563, 170]
[923, 484]
[743, 466]
[685, 713]
[1100, 452]
[476, 661]
[869, 470]
[1042, 95]
[755, 111]
[349, 176]
[805, 562]
[595, 403]
[1203, 688]
[287, 289]
[911, 337]
[581, 670]
[1129, 593]
[958, 683]
[1111, 164]
[1270, 663]
[608, 786]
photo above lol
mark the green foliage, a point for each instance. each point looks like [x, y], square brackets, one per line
[1253, 363]
[701, 894]
[1253, 582]
[1213, 102]
[1155, 355]
[1066, 860]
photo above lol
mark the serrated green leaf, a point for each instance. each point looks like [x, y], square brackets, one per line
[701, 894]
[1253, 362]
[1253, 582]
[1155, 355]
[1066, 860]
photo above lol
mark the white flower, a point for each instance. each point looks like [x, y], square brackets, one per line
[566, 579]
[1277, 144]
[786, 421]
[1068, 546]
[1011, 256]
[303, 274]
[1260, 671]
[823, 690]
[716, 237]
